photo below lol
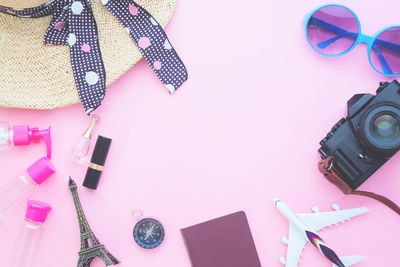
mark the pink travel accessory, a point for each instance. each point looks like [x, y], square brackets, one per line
[22, 186]
[37, 211]
[30, 234]
[22, 135]
[41, 170]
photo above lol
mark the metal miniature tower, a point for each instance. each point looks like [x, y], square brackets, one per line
[90, 246]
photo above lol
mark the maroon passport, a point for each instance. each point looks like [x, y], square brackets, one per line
[222, 242]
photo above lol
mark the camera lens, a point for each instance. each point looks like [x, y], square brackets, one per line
[379, 128]
[385, 127]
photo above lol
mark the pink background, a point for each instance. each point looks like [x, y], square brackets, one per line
[242, 130]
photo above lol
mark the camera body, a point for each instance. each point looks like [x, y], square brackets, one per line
[369, 136]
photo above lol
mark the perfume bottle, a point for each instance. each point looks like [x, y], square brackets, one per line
[22, 135]
[80, 150]
[29, 234]
[20, 187]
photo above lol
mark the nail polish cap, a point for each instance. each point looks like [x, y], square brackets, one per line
[96, 165]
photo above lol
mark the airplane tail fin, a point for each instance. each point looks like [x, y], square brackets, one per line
[347, 261]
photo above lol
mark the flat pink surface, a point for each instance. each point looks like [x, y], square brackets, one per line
[242, 130]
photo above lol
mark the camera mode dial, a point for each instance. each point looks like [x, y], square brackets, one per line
[382, 85]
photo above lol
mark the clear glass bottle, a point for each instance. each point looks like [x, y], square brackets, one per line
[5, 135]
[22, 135]
[80, 150]
[29, 234]
[20, 187]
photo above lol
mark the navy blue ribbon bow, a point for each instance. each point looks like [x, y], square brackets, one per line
[73, 23]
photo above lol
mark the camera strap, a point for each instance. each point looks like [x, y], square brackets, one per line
[326, 168]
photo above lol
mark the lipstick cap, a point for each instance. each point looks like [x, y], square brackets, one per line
[97, 162]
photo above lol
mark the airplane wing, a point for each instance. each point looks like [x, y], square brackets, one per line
[320, 220]
[347, 261]
[295, 247]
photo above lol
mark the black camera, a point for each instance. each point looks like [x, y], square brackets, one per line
[368, 137]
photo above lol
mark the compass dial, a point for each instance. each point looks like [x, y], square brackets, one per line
[148, 233]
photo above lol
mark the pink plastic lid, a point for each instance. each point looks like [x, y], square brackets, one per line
[41, 170]
[21, 135]
[37, 211]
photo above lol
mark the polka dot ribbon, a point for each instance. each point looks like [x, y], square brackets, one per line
[73, 23]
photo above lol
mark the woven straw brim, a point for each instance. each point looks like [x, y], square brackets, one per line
[36, 76]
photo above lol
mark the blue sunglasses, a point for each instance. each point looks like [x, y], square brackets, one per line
[334, 30]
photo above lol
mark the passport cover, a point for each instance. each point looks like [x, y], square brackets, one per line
[222, 242]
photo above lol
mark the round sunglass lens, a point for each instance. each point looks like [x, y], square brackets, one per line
[385, 52]
[332, 30]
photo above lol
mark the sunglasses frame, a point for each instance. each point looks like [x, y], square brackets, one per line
[361, 38]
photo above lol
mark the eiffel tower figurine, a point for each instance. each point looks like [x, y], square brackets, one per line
[90, 246]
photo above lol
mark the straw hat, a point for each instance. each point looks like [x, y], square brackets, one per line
[36, 76]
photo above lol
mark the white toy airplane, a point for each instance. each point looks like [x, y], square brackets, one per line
[302, 228]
